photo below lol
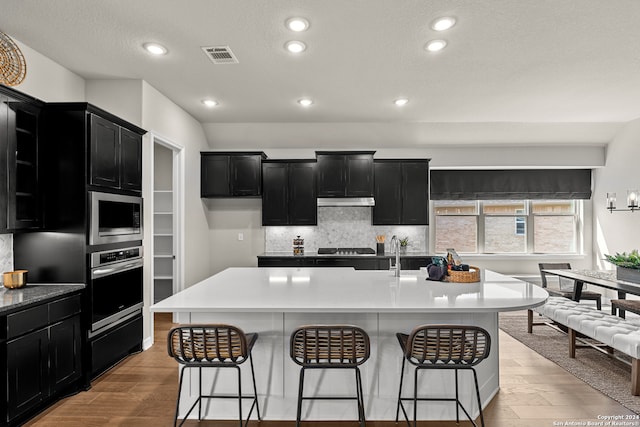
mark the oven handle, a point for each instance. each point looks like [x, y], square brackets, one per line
[97, 273]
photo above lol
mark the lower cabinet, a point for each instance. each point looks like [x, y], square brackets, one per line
[285, 262]
[42, 355]
[359, 263]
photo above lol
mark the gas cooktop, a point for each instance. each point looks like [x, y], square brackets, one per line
[346, 251]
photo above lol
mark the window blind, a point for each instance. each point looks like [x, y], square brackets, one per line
[517, 184]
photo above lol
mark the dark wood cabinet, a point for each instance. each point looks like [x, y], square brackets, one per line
[19, 157]
[27, 372]
[388, 193]
[401, 192]
[86, 148]
[42, 355]
[116, 156]
[289, 192]
[231, 174]
[357, 262]
[65, 353]
[291, 261]
[345, 173]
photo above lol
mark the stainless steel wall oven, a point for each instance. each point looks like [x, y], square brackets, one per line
[115, 304]
[116, 287]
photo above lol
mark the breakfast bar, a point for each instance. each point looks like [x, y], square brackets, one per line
[274, 301]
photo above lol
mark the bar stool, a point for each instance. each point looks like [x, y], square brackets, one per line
[442, 347]
[330, 347]
[213, 346]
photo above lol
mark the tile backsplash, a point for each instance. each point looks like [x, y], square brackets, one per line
[343, 227]
[6, 253]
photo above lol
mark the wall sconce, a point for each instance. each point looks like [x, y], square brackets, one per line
[632, 201]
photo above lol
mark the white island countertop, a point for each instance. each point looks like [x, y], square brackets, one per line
[342, 290]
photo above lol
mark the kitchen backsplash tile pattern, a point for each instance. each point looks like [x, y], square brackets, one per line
[343, 227]
[6, 253]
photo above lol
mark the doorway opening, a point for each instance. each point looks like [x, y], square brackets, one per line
[168, 224]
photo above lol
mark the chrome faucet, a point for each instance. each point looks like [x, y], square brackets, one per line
[395, 246]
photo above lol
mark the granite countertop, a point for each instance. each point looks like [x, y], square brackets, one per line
[313, 254]
[10, 299]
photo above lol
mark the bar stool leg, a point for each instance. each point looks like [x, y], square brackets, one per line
[255, 390]
[457, 399]
[199, 393]
[475, 380]
[360, 397]
[300, 386]
[239, 395]
[415, 398]
[175, 422]
[400, 392]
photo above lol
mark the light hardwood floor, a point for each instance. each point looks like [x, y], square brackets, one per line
[141, 391]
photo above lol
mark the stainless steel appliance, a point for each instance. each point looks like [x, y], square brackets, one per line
[346, 251]
[116, 287]
[114, 218]
[115, 303]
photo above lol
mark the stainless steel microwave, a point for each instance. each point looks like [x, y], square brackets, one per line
[114, 218]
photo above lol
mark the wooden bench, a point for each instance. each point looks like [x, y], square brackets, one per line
[614, 332]
[622, 305]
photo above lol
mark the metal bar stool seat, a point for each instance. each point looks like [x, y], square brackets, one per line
[443, 347]
[330, 347]
[213, 346]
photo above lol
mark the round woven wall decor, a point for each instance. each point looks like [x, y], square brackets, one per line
[13, 67]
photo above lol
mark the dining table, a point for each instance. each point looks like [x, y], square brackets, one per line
[602, 278]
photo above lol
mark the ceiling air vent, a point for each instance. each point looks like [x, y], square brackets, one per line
[220, 54]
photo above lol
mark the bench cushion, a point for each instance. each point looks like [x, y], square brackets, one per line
[621, 334]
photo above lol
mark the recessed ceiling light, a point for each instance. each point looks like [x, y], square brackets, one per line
[435, 45]
[443, 23]
[295, 46]
[155, 48]
[401, 101]
[297, 24]
[210, 102]
[305, 102]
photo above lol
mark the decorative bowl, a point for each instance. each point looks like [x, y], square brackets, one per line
[15, 279]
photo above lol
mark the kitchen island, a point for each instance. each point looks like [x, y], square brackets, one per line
[274, 301]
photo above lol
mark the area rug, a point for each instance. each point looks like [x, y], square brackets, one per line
[605, 374]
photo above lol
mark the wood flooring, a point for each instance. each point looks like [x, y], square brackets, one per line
[141, 391]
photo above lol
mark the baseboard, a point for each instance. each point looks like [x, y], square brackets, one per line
[147, 343]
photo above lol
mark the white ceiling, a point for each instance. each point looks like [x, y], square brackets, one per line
[548, 71]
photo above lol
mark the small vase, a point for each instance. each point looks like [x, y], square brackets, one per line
[403, 249]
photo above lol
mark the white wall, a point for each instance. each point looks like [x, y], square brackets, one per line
[617, 231]
[122, 97]
[48, 80]
[163, 118]
[227, 218]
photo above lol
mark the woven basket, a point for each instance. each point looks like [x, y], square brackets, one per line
[471, 276]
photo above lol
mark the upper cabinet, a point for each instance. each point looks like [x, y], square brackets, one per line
[19, 145]
[231, 174]
[401, 192]
[289, 192]
[115, 155]
[345, 173]
[106, 150]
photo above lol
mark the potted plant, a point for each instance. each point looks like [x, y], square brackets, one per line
[403, 244]
[627, 265]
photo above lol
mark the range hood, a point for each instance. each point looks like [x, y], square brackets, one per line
[346, 201]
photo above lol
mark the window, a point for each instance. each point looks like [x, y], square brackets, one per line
[507, 226]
